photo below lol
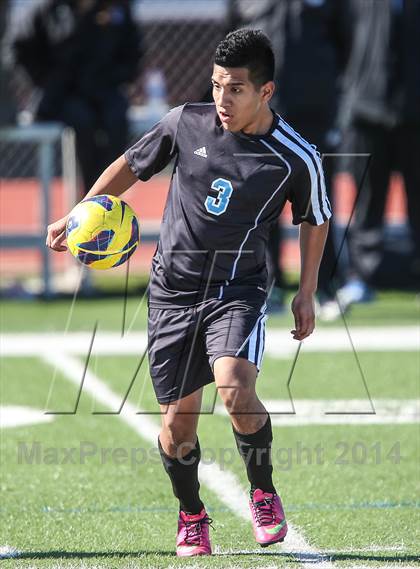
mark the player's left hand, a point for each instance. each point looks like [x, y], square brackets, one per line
[303, 308]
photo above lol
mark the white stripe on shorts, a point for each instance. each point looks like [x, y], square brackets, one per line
[258, 331]
[262, 343]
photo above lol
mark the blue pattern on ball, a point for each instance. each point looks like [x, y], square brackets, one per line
[134, 234]
[72, 223]
[89, 258]
[133, 240]
[123, 258]
[104, 201]
[100, 242]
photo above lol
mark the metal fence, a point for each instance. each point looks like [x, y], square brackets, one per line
[183, 53]
[32, 160]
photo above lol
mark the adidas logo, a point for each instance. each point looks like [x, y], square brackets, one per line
[201, 152]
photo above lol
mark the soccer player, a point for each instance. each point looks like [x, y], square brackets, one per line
[236, 164]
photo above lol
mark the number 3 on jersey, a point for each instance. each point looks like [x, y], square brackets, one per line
[218, 205]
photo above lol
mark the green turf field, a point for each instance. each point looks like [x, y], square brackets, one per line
[86, 488]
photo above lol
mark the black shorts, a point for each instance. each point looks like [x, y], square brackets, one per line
[184, 343]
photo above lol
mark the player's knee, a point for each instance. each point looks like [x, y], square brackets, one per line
[239, 399]
[179, 435]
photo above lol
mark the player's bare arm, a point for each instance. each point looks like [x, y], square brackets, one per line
[312, 241]
[114, 180]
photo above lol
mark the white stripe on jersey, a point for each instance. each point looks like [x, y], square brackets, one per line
[232, 275]
[315, 155]
[312, 173]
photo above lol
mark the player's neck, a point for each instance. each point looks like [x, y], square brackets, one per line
[262, 123]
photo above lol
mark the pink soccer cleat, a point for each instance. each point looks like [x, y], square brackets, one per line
[193, 534]
[268, 520]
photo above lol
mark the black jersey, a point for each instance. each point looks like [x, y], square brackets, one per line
[226, 190]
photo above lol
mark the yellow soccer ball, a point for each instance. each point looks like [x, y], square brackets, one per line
[102, 232]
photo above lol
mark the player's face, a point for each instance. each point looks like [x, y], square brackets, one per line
[239, 103]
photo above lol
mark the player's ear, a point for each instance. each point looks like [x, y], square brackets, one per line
[267, 91]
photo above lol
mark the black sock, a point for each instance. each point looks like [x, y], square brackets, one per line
[255, 450]
[183, 474]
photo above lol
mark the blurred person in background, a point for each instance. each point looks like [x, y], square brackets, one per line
[82, 54]
[381, 117]
[7, 104]
[312, 43]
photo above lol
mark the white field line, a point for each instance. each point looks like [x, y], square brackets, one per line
[350, 550]
[135, 565]
[384, 564]
[279, 342]
[224, 484]
[370, 549]
[8, 552]
[381, 339]
[343, 411]
[17, 416]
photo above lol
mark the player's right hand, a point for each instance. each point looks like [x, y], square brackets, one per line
[303, 309]
[56, 234]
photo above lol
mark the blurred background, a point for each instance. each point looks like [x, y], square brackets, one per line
[81, 80]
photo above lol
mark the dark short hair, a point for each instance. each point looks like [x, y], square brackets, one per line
[247, 48]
